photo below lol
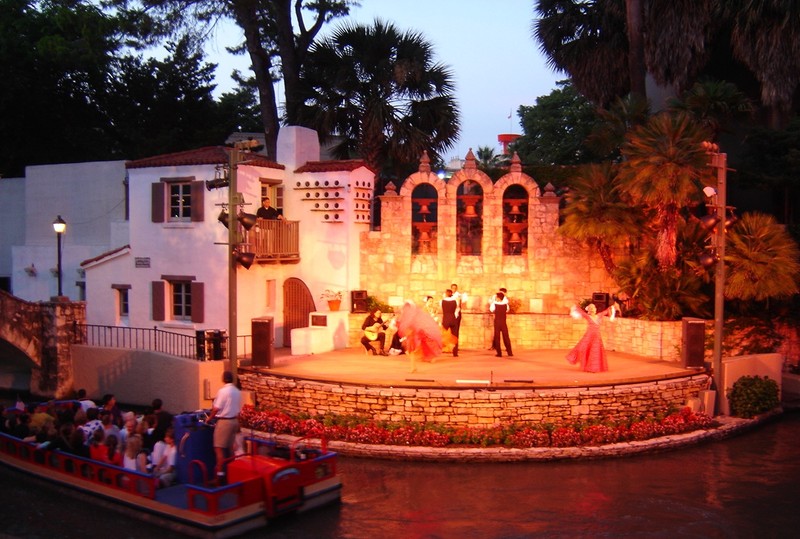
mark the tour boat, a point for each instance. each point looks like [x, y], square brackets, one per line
[269, 480]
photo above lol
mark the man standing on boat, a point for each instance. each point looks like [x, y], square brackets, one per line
[225, 410]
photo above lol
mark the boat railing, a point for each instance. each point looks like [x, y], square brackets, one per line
[210, 501]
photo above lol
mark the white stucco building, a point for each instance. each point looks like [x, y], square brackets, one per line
[171, 272]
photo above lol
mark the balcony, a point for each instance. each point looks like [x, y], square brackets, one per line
[275, 241]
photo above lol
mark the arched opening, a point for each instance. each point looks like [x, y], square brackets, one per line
[469, 218]
[515, 220]
[424, 219]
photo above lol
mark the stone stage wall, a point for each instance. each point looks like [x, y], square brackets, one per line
[479, 407]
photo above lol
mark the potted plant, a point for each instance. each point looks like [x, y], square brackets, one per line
[333, 297]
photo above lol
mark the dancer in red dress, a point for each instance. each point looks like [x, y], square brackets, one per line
[590, 352]
[423, 335]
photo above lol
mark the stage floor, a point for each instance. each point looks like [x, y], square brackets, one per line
[473, 368]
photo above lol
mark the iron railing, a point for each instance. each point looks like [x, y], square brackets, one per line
[204, 345]
[152, 339]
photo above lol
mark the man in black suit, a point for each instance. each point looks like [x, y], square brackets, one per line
[499, 307]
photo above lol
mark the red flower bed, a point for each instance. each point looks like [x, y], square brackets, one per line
[367, 431]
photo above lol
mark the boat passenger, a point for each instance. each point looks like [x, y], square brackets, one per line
[92, 424]
[135, 458]
[163, 459]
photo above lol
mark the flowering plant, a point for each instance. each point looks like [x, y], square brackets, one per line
[331, 295]
[569, 434]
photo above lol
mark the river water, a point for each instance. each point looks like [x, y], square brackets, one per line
[746, 486]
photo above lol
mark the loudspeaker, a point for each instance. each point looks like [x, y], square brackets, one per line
[358, 301]
[600, 300]
[693, 340]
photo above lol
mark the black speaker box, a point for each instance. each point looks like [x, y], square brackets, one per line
[693, 343]
[358, 301]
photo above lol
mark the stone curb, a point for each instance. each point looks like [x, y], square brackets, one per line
[729, 426]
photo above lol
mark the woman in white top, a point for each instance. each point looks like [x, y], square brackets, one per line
[134, 458]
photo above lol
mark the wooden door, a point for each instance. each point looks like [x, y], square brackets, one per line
[298, 303]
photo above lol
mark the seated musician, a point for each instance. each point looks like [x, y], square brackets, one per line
[374, 330]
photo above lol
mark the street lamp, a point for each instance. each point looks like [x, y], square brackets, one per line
[60, 226]
[719, 161]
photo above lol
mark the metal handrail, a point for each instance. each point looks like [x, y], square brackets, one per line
[152, 339]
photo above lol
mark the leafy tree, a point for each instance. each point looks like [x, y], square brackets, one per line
[277, 40]
[379, 90]
[556, 128]
[160, 106]
[55, 57]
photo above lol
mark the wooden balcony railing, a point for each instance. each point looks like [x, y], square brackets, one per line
[275, 240]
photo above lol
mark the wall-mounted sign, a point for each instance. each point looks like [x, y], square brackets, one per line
[142, 262]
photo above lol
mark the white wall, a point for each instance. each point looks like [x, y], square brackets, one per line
[12, 216]
[89, 197]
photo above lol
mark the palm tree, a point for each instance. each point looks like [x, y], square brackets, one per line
[613, 124]
[766, 38]
[714, 103]
[763, 261]
[381, 92]
[487, 158]
[595, 214]
[663, 169]
[588, 41]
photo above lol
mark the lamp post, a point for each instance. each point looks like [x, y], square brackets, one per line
[719, 161]
[60, 226]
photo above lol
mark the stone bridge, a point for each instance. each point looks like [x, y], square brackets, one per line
[42, 332]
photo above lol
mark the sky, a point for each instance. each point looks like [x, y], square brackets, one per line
[488, 46]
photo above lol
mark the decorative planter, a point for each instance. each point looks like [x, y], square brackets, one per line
[334, 304]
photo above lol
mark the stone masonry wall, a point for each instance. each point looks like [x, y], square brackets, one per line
[530, 331]
[482, 407]
[550, 274]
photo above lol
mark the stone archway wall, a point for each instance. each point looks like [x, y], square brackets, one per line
[43, 332]
[554, 272]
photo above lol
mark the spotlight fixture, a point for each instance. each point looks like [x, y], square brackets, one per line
[216, 183]
[244, 259]
[708, 258]
[248, 220]
[223, 218]
[708, 222]
[221, 179]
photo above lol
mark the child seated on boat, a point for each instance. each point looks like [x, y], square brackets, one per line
[163, 459]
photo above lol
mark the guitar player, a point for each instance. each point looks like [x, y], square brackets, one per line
[374, 330]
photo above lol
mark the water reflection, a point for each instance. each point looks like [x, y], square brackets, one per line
[742, 487]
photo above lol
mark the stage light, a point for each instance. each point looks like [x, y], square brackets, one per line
[248, 220]
[223, 218]
[708, 259]
[245, 259]
[708, 222]
[217, 183]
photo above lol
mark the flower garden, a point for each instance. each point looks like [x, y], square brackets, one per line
[364, 430]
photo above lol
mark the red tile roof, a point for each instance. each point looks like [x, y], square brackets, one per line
[101, 256]
[333, 166]
[210, 155]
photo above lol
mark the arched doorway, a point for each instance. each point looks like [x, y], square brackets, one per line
[298, 303]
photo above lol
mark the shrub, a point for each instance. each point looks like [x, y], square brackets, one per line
[359, 429]
[753, 395]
